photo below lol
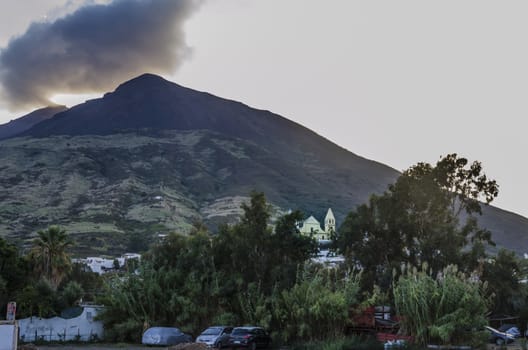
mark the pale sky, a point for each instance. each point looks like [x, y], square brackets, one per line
[398, 82]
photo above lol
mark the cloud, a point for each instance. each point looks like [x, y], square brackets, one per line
[93, 49]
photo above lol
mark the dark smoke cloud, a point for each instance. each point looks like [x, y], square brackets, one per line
[93, 49]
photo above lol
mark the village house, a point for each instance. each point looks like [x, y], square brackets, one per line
[102, 265]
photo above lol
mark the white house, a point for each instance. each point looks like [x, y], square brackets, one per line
[99, 265]
[102, 265]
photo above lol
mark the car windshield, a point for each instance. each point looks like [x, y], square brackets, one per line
[238, 331]
[163, 331]
[212, 331]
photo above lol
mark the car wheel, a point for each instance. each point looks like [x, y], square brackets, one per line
[253, 346]
[499, 341]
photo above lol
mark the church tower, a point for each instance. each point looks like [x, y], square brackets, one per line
[329, 222]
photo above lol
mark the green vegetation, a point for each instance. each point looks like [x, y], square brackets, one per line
[49, 255]
[44, 282]
[246, 274]
[417, 220]
[316, 307]
[447, 309]
[405, 248]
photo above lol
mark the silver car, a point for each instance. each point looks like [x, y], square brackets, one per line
[165, 336]
[215, 337]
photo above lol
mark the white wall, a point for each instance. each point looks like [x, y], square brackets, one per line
[8, 337]
[83, 327]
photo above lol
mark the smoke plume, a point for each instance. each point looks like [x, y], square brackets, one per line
[93, 49]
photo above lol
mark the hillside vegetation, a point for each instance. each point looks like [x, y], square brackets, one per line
[153, 157]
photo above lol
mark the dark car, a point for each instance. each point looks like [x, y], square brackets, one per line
[216, 337]
[164, 336]
[249, 337]
[498, 337]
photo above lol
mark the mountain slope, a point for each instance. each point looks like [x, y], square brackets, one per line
[152, 104]
[153, 156]
[24, 123]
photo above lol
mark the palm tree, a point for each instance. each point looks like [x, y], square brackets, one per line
[50, 256]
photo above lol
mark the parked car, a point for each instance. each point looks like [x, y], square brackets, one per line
[510, 329]
[215, 337]
[165, 336]
[498, 337]
[249, 337]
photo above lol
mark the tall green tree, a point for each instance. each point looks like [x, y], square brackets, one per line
[37, 298]
[254, 252]
[503, 275]
[427, 215]
[289, 250]
[13, 272]
[91, 282]
[50, 254]
[71, 294]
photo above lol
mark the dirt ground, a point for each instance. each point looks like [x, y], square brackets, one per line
[97, 347]
[191, 346]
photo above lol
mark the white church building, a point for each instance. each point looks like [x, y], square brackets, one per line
[311, 227]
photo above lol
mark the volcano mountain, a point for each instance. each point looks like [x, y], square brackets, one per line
[153, 156]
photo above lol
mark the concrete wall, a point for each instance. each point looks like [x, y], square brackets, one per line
[8, 339]
[81, 328]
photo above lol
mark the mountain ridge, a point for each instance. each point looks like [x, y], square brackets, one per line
[21, 124]
[213, 115]
[97, 166]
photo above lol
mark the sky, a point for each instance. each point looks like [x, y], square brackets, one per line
[398, 82]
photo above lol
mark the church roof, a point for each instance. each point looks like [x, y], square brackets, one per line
[311, 220]
[329, 214]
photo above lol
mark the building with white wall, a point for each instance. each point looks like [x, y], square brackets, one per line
[81, 328]
[101, 265]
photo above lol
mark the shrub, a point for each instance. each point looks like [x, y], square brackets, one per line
[316, 307]
[449, 308]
